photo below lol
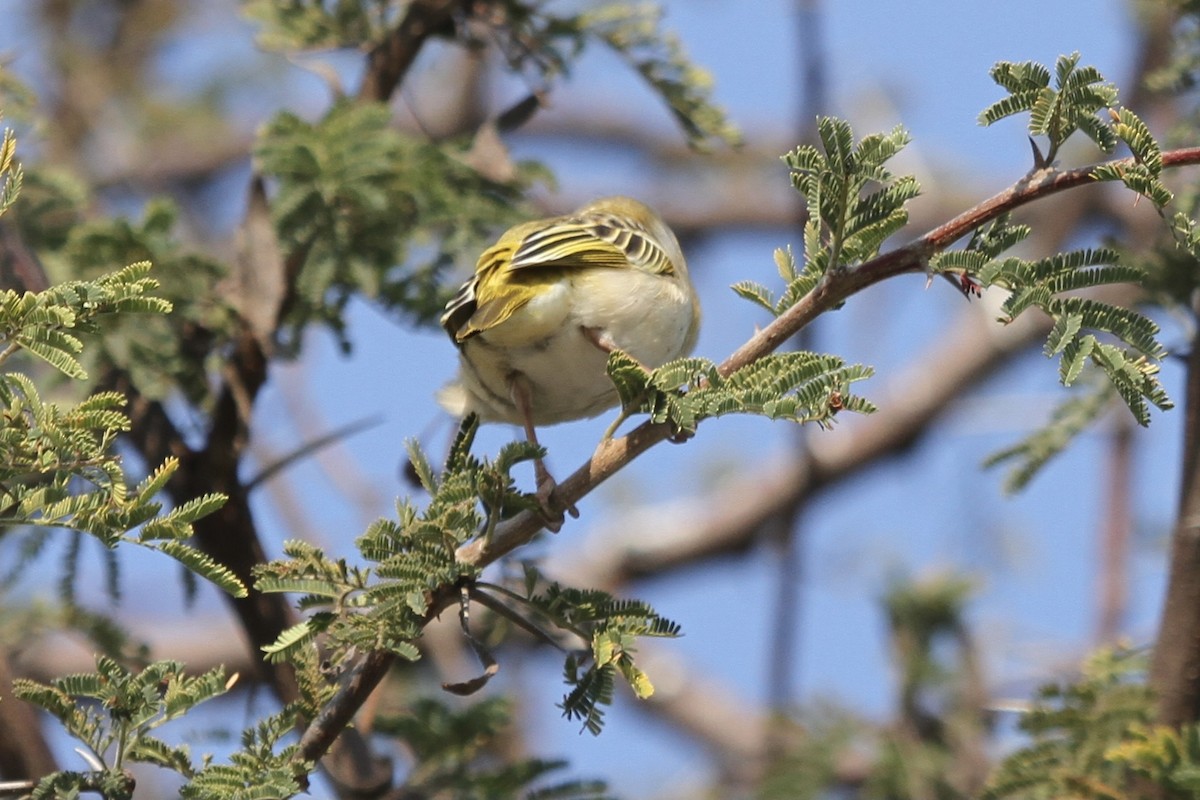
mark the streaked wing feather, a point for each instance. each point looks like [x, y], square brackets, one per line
[600, 240]
[595, 240]
[460, 308]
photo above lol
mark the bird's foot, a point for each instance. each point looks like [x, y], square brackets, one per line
[551, 509]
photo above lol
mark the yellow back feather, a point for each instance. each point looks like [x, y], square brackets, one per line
[612, 233]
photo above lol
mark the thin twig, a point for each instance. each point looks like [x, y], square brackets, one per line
[614, 454]
[388, 62]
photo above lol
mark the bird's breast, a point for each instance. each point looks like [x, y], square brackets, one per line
[650, 317]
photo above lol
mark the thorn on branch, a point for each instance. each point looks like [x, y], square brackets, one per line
[1040, 161]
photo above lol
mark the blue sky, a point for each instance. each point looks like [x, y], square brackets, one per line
[920, 64]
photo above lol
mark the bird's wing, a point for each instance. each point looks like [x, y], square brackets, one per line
[592, 240]
[509, 272]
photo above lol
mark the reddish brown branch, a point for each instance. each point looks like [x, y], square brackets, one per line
[388, 61]
[613, 454]
[24, 753]
[1175, 670]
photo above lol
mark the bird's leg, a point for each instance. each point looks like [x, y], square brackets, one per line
[523, 400]
[604, 342]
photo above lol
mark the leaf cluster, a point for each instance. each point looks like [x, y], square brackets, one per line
[163, 353]
[1172, 277]
[458, 753]
[384, 606]
[365, 210]
[11, 174]
[853, 202]
[412, 559]
[633, 31]
[610, 626]
[57, 466]
[1055, 112]
[112, 713]
[1164, 755]
[320, 24]
[1105, 349]
[544, 43]
[1085, 736]
[1051, 284]
[533, 37]
[797, 283]
[44, 324]
[260, 770]
[797, 386]
[1144, 176]
[1072, 105]
[1069, 419]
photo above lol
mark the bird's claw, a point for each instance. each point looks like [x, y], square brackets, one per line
[549, 505]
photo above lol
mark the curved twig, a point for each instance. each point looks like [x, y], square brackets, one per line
[611, 455]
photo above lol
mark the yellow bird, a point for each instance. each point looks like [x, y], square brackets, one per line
[551, 299]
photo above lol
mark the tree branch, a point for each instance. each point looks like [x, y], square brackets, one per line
[1175, 668]
[388, 61]
[24, 752]
[730, 519]
[614, 454]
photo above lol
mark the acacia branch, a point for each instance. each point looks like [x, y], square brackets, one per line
[388, 61]
[267, 280]
[614, 454]
[1174, 671]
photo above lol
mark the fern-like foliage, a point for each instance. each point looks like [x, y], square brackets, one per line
[610, 628]
[796, 282]
[1080, 735]
[351, 193]
[1055, 112]
[384, 606]
[796, 386]
[1073, 105]
[57, 466]
[163, 354]
[452, 749]
[11, 174]
[1072, 417]
[1121, 342]
[853, 201]
[1166, 756]
[316, 24]
[1144, 176]
[633, 31]
[537, 40]
[262, 768]
[112, 713]
[45, 324]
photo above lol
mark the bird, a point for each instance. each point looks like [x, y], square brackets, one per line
[550, 301]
